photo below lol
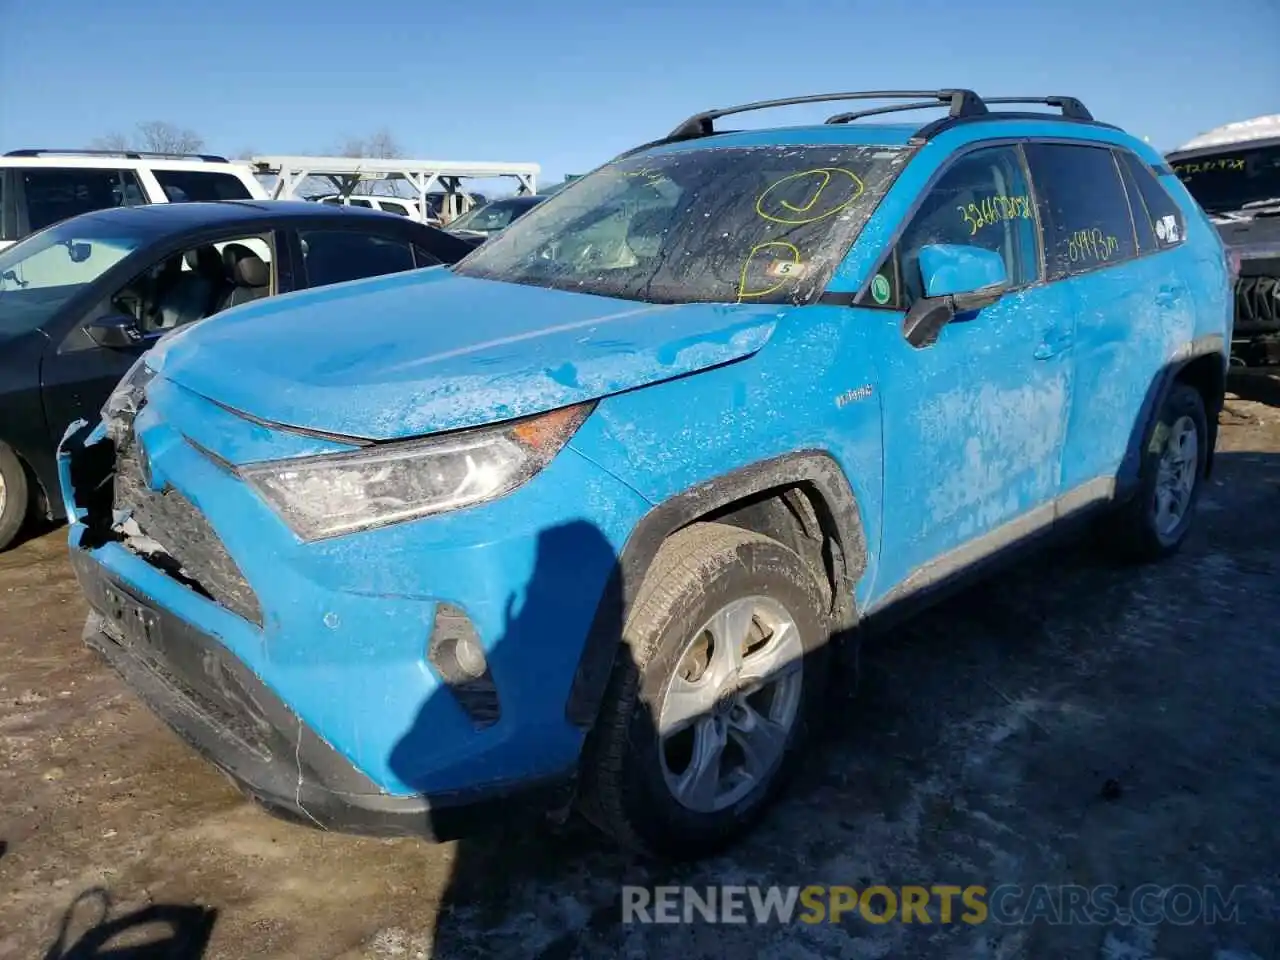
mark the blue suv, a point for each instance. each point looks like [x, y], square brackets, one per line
[584, 518]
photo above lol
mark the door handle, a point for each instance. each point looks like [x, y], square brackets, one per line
[1052, 345]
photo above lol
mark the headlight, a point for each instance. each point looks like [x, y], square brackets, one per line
[334, 494]
[125, 401]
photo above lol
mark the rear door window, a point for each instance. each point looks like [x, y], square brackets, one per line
[200, 185]
[1084, 211]
[335, 256]
[52, 194]
[1165, 217]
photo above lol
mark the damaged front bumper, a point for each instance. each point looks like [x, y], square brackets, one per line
[236, 723]
[304, 671]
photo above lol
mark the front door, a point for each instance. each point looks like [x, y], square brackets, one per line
[178, 288]
[974, 424]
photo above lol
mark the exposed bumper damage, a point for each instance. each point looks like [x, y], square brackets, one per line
[229, 717]
[211, 700]
[318, 675]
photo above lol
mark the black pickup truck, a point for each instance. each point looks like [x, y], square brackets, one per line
[1234, 173]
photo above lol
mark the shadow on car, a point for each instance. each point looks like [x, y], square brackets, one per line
[983, 648]
[1038, 637]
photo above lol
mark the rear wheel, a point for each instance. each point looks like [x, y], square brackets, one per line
[716, 691]
[1157, 520]
[14, 496]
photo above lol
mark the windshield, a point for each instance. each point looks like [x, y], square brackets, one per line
[725, 225]
[44, 271]
[492, 217]
[1226, 180]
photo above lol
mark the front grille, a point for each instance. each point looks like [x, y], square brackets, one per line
[198, 557]
[1258, 305]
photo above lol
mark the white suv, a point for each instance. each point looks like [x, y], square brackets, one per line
[40, 187]
[397, 205]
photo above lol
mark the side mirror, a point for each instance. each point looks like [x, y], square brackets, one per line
[115, 331]
[957, 279]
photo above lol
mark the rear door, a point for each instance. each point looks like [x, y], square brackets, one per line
[1129, 308]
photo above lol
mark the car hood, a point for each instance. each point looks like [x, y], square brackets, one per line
[425, 351]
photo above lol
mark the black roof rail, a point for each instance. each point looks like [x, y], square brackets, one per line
[1071, 108]
[891, 108]
[962, 103]
[125, 154]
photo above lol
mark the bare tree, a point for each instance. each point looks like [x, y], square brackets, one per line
[380, 145]
[153, 136]
[161, 137]
[116, 142]
[383, 145]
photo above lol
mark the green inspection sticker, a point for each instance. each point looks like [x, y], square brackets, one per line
[880, 291]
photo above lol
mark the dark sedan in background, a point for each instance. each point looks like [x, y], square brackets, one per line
[480, 223]
[81, 300]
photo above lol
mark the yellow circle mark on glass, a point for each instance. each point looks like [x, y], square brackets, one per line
[829, 181]
[743, 293]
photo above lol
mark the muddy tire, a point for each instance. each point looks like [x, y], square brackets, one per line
[14, 496]
[1155, 522]
[715, 692]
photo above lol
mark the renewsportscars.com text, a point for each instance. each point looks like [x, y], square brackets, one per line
[1148, 904]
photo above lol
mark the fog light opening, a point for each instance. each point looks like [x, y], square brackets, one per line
[456, 654]
[469, 657]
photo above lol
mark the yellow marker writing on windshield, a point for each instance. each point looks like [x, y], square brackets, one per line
[743, 292]
[835, 187]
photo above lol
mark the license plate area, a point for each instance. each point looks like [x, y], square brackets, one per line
[132, 623]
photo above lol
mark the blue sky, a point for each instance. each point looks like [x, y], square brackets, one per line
[570, 84]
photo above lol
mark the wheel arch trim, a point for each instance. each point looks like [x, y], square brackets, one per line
[815, 469]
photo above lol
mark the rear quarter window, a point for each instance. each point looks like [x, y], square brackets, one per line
[1084, 211]
[1164, 218]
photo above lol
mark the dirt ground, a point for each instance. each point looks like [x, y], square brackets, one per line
[978, 751]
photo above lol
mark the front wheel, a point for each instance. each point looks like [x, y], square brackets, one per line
[718, 685]
[1158, 518]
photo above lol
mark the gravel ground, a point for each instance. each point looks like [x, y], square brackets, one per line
[1074, 723]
